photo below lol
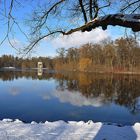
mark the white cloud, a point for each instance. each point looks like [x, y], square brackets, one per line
[76, 98]
[79, 38]
[16, 43]
[15, 91]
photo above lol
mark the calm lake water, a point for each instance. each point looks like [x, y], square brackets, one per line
[70, 97]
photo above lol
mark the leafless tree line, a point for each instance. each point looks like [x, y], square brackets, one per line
[121, 55]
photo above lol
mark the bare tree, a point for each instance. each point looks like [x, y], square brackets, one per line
[88, 15]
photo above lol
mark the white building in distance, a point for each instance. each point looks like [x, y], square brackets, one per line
[40, 65]
[40, 68]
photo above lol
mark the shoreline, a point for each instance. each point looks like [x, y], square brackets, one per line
[101, 72]
[57, 71]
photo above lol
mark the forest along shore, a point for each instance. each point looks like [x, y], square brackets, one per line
[119, 56]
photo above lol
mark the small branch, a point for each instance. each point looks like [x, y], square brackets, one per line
[130, 4]
[32, 44]
[90, 9]
[47, 12]
[96, 8]
[109, 3]
[83, 10]
[40, 20]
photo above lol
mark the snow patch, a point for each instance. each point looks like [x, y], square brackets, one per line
[61, 130]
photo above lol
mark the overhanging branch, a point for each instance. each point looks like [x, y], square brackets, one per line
[130, 21]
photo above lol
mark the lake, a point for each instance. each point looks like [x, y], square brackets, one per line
[29, 96]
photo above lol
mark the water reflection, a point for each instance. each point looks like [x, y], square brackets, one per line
[81, 90]
[101, 89]
[14, 90]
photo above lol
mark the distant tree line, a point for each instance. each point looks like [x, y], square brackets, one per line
[23, 63]
[120, 55]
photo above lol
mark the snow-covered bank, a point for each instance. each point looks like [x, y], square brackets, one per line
[17, 130]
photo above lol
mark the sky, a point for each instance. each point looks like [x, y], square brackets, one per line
[48, 46]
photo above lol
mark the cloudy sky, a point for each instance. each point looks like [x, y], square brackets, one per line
[48, 46]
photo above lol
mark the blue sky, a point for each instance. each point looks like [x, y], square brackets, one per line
[48, 47]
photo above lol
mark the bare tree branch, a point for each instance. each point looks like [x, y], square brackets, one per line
[130, 21]
[33, 43]
[116, 19]
[90, 10]
[11, 21]
[48, 11]
[96, 8]
[83, 10]
[129, 4]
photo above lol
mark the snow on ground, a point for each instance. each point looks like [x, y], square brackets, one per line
[17, 130]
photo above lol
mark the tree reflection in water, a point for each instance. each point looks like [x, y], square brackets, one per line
[119, 89]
